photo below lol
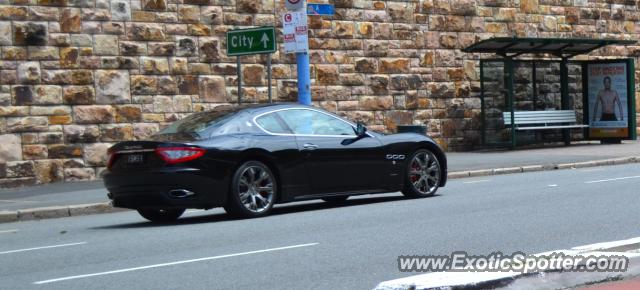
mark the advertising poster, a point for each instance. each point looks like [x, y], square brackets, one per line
[608, 100]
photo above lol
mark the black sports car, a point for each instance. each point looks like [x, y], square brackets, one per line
[248, 158]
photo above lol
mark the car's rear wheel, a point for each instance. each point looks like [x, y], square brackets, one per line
[336, 199]
[423, 174]
[161, 215]
[253, 190]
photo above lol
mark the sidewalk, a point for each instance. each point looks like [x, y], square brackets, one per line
[577, 152]
[78, 198]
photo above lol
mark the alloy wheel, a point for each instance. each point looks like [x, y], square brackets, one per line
[424, 172]
[255, 188]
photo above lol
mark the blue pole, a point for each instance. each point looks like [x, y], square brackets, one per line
[304, 78]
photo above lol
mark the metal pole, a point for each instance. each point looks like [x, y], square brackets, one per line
[631, 84]
[509, 85]
[483, 115]
[535, 85]
[534, 82]
[564, 96]
[304, 78]
[239, 67]
[269, 76]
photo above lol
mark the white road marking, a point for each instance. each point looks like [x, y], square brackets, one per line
[8, 231]
[613, 179]
[172, 263]
[195, 210]
[476, 181]
[16, 201]
[592, 170]
[41, 248]
[553, 185]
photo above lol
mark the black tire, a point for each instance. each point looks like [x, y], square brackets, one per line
[336, 199]
[236, 207]
[161, 215]
[427, 186]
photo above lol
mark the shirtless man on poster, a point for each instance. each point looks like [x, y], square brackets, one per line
[608, 98]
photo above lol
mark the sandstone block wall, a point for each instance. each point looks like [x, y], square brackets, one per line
[78, 75]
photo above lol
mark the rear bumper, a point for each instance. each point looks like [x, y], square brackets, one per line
[152, 189]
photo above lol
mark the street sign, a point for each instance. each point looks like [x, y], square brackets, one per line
[294, 5]
[251, 41]
[321, 9]
[295, 30]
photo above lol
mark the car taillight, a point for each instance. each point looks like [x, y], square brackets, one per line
[112, 157]
[172, 155]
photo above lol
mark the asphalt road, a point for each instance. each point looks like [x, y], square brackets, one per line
[313, 245]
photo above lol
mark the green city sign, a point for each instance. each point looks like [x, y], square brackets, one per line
[251, 41]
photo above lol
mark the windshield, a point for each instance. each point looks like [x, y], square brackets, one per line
[198, 123]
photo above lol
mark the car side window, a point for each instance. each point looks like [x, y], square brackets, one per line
[270, 123]
[309, 122]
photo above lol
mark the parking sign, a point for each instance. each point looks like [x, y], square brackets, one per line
[296, 35]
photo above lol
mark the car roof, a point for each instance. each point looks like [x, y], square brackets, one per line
[260, 108]
[272, 106]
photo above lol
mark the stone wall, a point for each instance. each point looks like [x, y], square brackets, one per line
[78, 75]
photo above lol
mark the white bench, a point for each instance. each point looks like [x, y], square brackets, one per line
[541, 120]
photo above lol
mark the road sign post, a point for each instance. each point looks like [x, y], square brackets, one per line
[251, 41]
[304, 78]
[239, 69]
[269, 77]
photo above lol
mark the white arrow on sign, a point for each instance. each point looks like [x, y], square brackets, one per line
[265, 40]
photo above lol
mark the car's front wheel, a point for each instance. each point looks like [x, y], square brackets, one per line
[161, 215]
[253, 190]
[423, 174]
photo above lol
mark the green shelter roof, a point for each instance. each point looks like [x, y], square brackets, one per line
[560, 47]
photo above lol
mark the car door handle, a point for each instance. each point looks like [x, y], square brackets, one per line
[309, 146]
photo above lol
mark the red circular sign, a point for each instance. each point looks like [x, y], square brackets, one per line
[293, 1]
[287, 17]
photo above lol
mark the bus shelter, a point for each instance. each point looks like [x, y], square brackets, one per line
[533, 92]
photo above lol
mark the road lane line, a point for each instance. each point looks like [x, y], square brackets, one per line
[476, 181]
[172, 263]
[16, 201]
[613, 179]
[592, 170]
[41, 248]
[195, 210]
[8, 231]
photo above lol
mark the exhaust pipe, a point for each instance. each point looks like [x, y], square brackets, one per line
[180, 193]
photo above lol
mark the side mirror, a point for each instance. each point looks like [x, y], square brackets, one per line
[361, 130]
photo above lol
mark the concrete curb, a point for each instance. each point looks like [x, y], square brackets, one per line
[553, 279]
[98, 208]
[547, 167]
[57, 212]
